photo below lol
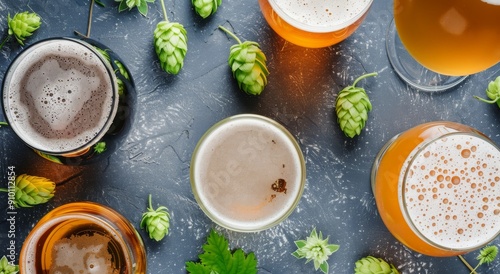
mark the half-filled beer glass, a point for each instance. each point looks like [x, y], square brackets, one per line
[437, 188]
[314, 23]
[450, 38]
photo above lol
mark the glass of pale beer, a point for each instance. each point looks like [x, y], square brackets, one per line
[314, 23]
[434, 45]
[437, 188]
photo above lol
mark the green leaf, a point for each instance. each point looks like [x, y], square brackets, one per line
[218, 258]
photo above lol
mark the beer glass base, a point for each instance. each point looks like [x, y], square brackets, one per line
[410, 71]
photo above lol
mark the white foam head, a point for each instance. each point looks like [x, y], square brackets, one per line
[59, 96]
[452, 192]
[320, 15]
[233, 170]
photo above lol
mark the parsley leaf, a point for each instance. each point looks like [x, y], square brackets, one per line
[217, 258]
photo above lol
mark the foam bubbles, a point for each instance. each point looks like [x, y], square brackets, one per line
[84, 254]
[322, 13]
[59, 94]
[452, 191]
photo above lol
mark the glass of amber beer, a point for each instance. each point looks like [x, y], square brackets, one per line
[83, 237]
[316, 23]
[437, 188]
[434, 45]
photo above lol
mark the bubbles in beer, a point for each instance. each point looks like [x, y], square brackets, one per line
[451, 191]
[59, 96]
[321, 13]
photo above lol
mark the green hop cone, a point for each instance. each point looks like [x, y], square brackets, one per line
[372, 265]
[205, 8]
[22, 25]
[248, 64]
[32, 190]
[170, 40]
[493, 92]
[142, 5]
[156, 222]
[6, 268]
[352, 107]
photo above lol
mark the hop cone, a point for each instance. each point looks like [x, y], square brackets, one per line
[206, 8]
[6, 268]
[170, 45]
[156, 222]
[493, 92]
[33, 190]
[248, 63]
[372, 265]
[22, 25]
[352, 107]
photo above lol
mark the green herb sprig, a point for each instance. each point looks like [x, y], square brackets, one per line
[248, 64]
[21, 26]
[217, 258]
[493, 92]
[31, 190]
[170, 42]
[6, 267]
[486, 256]
[352, 107]
[315, 248]
[156, 221]
[3, 124]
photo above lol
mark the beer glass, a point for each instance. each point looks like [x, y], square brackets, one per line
[437, 188]
[83, 237]
[316, 23]
[68, 99]
[434, 45]
[247, 173]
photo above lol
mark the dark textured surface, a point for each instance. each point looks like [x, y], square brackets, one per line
[172, 112]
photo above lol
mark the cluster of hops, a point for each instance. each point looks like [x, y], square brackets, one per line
[372, 265]
[142, 5]
[32, 190]
[248, 64]
[156, 222]
[170, 41]
[205, 8]
[352, 107]
[22, 25]
[493, 92]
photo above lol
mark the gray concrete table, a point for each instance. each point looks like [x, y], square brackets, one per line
[172, 113]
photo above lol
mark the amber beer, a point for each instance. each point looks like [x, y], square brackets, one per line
[247, 173]
[60, 96]
[316, 23]
[437, 188]
[83, 238]
[450, 37]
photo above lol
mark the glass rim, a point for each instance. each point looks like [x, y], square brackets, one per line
[243, 226]
[11, 69]
[403, 205]
[318, 29]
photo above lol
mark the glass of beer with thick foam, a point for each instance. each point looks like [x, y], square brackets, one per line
[314, 23]
[60, 96]
[247, 173]
[437, 188]
[434, 45]
[83, 237]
